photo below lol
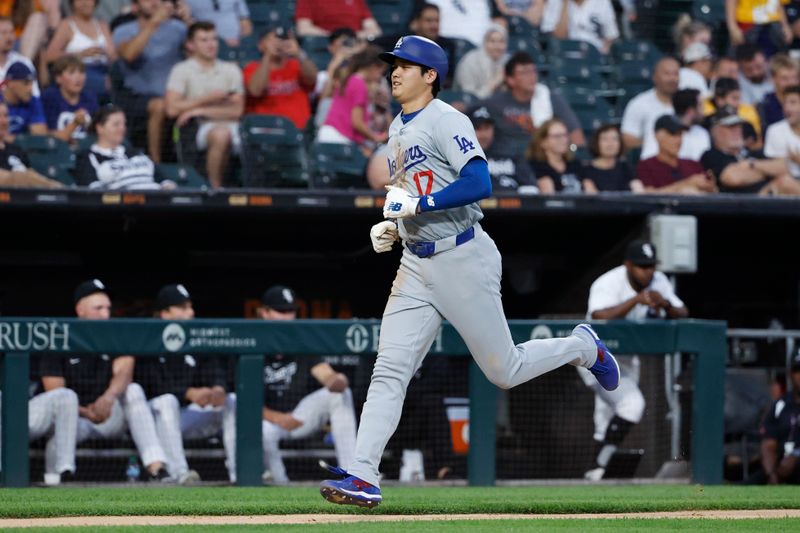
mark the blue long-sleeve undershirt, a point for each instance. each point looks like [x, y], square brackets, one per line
[473, 184]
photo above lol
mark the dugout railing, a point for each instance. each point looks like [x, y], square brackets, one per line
[248, 340]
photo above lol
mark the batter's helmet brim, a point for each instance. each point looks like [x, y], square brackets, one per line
[389, 57]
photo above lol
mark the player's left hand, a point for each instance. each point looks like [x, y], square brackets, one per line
[399, 204]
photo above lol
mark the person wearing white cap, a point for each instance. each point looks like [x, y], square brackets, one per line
[696, 72]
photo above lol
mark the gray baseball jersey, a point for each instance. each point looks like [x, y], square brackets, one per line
[461, 285]
[430, 151]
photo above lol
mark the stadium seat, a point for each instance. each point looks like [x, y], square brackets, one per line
[317, 49]
[523, 43]
[518, 26]
[264, 14]
[633, 77]
[184, 176]
[460, 48]
[634, 50]
[49, 156]
[339, 166]
[578, 73]
[392, 16]
[454, 98]
[273, 152]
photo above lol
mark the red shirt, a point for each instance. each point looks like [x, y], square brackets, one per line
[284, 95]
[332, 14]
[657, 174]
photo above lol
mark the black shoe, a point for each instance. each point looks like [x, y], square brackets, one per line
[68, 476]
[161, 476]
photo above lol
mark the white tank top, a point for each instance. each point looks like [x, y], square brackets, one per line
[80, 42]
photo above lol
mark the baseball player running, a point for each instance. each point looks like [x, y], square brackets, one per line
[633, 290]
[450, 268]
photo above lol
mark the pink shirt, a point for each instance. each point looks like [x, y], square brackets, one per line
[339, 116]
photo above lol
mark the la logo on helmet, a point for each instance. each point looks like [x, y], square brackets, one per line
[399, 43]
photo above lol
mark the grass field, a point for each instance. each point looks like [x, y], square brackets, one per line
[60, 502]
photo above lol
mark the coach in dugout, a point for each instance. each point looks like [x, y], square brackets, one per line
[780, 441]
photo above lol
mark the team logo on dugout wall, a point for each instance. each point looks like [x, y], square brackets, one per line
[174, 337]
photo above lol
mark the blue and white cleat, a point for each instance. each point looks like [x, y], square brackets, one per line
[350, 490]
[606, 368]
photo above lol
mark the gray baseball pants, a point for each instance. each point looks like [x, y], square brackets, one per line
[461, 286]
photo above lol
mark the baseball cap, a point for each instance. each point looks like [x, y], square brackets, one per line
[696, 52]
[641, 253]
[88, 288]
[725, 116]
[670, 123]
[20, 71]
[170, 295]
[480, 116]
[279, 298]
[280, 31]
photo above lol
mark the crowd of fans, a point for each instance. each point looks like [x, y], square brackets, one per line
[149, 74]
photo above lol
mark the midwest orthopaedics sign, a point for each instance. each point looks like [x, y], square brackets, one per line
[34, 336]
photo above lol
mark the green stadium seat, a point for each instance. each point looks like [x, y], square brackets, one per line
[712, 12]
[634, 50]
[314, 43]
[338, 166]
[392, 16]
[460, 49]
[578, 72]
[185, 176]
[48, 156]
[273, 152]
[523, 43]
[518, 26]
[264, 14]
[453, 97]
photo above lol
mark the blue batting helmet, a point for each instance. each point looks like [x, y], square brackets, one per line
[421, 51]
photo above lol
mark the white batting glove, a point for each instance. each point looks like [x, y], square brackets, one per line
[383, 234]
[399, 204]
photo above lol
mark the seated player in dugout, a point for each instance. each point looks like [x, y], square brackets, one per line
[325, 399]
[780, 434]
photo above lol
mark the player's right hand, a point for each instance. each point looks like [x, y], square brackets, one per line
[383, 234]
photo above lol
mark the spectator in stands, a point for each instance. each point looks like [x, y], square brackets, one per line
[325, 399]
[24, 106]
[783, 138]
[644, 109]
[480, 71]
[89, 38]
[68, 106]
[280, 83]
[230, 17]
[348, 118]
[780, 438]
[666, 172]
[636, 291]
[724, 67]
[727, 93]
[530, 10]
[110, 403]
[753, 73]
[785, 73]
[342, 45]
[607, 171]
[507, 173]
[321, 17]
[592, 21]
[108, 163]
[464, 20]
[425, 23]
[186, 394]
[737, 170]
[761, 23]
[689, 110]
[149, 47]
[106, 10]
[8, 40]
[211, 91]
[32, 21]
[14, 162]
[686, 32]
[696, 73]
[525, 106]
[552, 161]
